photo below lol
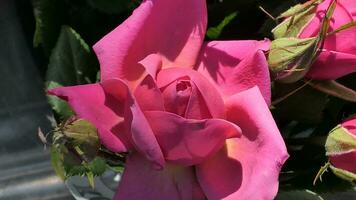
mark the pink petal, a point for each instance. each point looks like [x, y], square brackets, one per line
[148, 95]
[333, 65]
[141, 133]
[140, 181]
[344, 13]
[156, 26]
[152, 64]
[189, 142]
[350, 125]
[197, 107]
[176, 96]
[236, 66]
[146, 89]
[249, 163]
[90, 102]
[183, 98]
[209, 93]
[345, 161]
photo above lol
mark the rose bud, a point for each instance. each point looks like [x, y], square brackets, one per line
[308, 44]
[341, 149]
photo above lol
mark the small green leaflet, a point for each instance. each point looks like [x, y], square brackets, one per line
[215, 32]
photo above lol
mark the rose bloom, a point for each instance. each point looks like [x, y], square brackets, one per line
[338, 56]
[346, 160]
[192, 115]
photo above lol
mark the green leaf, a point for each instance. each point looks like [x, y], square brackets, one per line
[57, 162]
[71, 63]
[298, 195]
[334, 88]
[49, 16]
[110, 6]
[215, 32]
[97, 166]
[60, 106]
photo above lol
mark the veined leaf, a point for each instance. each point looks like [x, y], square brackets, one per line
[71, 63]
[48, 16]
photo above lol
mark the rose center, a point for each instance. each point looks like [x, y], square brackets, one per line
[182, 85]
[176, 96]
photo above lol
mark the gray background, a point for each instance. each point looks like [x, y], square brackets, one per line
[25, 170]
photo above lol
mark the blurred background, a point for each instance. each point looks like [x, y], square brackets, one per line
[41, 41]
[25, 169]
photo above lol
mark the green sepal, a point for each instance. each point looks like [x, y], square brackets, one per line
[297, 9]
[346, 175]
[291, 58]
[333, 88]
[84, 137]
[297, 18]
[298, 195]
[339, 141]
[288, 56]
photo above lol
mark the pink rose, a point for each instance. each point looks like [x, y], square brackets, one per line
[193, 115]
[341, 146]
[338, 56]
